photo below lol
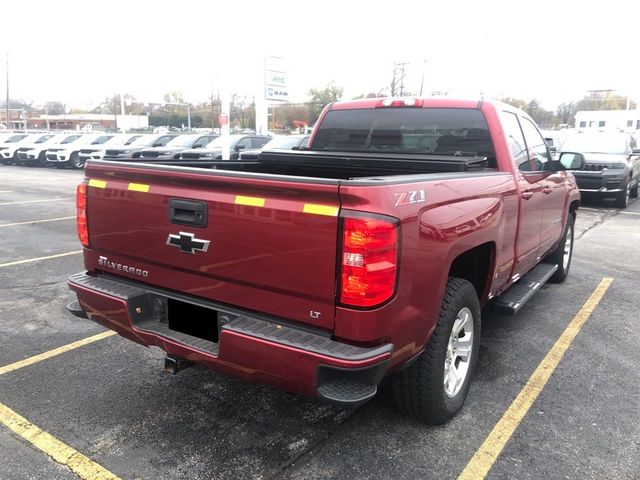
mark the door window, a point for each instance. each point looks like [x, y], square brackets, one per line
[538, 152]
[515, 140]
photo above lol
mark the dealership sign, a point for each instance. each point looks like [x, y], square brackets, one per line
[275, 79]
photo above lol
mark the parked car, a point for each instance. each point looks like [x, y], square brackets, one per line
[142, 143]
[324, 270]
[613, 165]
[10, 146]
[62, 156]
[34, 153]
[284, 142]
[175, 147]
[213, 152]
[98, 152]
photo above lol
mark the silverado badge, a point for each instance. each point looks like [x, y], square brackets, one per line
[187, 242]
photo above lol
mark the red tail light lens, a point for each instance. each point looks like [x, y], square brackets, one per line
[81, 218]
[369, 260]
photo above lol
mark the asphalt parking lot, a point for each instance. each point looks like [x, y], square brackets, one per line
[110, 401]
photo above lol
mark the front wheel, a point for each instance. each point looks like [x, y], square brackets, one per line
[435, 386]
[76, 161]
[622, 198]
[563, 253]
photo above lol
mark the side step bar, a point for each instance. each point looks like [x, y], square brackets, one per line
[521, 292]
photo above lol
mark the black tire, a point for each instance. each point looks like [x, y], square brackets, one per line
[419, 390]
[622, 198]
[42, 159]
[558, 255]
[75, 161]
[633, 193]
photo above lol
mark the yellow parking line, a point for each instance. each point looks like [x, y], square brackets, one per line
[485, 457]
[37, 221]
[56, 351]
[29, 260]
[59, 451]
[33, 201]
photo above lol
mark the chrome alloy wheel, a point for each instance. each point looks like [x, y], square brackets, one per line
[566, 256]
[459, 349]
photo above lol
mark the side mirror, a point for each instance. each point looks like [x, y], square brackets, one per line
[553, 149]
[239, 147]
[572, 161]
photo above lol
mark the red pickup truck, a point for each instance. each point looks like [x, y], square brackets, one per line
[367, 254]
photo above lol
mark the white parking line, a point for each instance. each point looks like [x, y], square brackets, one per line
[593, 209]
[36, 221]
[35, 201]
[29, 260]
[630, 213]
[6, 191]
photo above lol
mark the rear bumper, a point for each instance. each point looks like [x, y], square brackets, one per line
[249, 346]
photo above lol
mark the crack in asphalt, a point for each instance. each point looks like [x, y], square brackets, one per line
[607, 215]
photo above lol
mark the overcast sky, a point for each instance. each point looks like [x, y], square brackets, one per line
[79, 52]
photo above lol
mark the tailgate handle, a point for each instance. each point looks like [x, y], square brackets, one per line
[188, 212]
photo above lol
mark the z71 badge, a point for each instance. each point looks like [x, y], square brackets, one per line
[410, 197]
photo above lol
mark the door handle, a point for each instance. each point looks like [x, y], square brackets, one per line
[526, 194]
[547, 190]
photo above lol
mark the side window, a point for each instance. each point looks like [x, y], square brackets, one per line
[162, 141]
[244, 144]
[259, 141]
[515, 140]
[539, 156]
[201, 142]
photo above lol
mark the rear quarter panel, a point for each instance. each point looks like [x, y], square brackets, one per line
[460, 212]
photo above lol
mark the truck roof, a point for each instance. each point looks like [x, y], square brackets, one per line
[433, 102]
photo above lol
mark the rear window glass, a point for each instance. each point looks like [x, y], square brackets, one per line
[441, 131]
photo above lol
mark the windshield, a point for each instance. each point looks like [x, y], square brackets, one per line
[15, 138]
[182, 141]
[70, 139]
[441, 131]
[101, 140]
[282, 142]
[218, 142]
[44, 138]
[596, 144]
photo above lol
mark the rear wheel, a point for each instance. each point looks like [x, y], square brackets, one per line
[435, 386]
[563, 253]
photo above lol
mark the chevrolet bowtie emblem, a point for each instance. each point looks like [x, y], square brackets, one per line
[187, 242]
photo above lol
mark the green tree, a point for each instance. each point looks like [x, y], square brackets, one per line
[604, 100]
[515, 102]
[55, 108]
[320, 97]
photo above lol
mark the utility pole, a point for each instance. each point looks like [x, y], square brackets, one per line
[7, 104]
[397, 84]
[424, 67]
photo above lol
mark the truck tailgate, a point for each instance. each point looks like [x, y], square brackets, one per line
[272, 241]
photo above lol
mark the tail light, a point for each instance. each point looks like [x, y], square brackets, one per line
[369, 260]
[81, 218]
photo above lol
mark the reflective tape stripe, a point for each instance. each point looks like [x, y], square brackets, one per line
[327, 210]
[138, 187]
[97, 183]
[251, 201]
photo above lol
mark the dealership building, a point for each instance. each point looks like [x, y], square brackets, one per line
[610, 120]
[20, 119]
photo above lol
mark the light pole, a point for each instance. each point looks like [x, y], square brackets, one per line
[424, 67]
